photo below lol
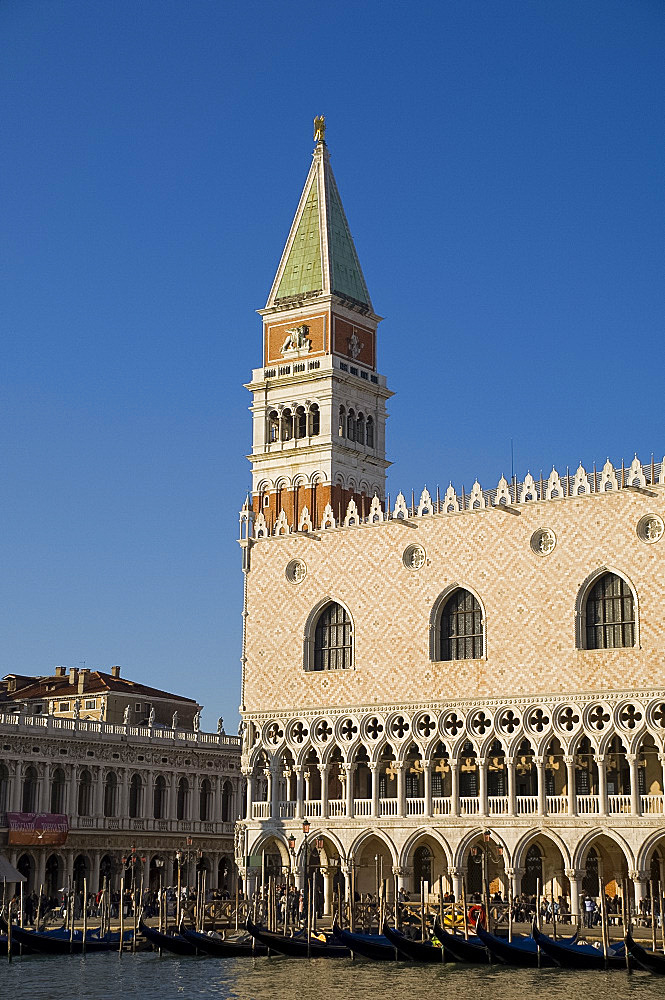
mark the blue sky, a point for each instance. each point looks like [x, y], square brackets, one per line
[501, 166]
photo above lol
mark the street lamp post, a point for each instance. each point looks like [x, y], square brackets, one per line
[486, 855]
[129, 863]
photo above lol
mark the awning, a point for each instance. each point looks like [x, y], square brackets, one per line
[8, 873]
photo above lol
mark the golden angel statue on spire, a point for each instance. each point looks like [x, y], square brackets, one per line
[320, 128]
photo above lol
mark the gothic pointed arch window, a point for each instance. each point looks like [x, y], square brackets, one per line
[609, 614]
[329, 643]
[460, 630]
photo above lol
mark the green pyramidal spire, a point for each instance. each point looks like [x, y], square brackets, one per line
[319, 257]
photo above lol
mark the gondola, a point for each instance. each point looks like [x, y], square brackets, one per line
[580, 956]
[461, 949]
[174, 943]
[521, 951]
[59, 942]
[297, 947]
[413, 951]
[374, 946]
[648, 960]
[213, 944]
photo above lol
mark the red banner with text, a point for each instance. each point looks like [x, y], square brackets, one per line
[37, 829]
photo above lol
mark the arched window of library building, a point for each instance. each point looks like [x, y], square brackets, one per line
[330, 639]
[609, 614]
[4, 788]
[29, 797]
[85, 794]
[135, 796]
[460, 631]
[58, 791]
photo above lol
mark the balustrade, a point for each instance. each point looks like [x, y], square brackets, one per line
[260, 810]
[313, 808]
[497, 805]
[362, 807]
[469, 805]
[652, 805]
[336, 807]
[287, 810]
[415, 807]
[588, 805]
[527, 805]
[440, 806]
[557, 805]
[618, 804]
[387, 807]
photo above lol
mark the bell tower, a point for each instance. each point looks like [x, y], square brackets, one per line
[318, 402]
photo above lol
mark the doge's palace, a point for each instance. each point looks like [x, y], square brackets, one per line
[425, 673]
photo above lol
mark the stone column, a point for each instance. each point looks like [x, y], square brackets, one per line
[349, 770]
[454, 787]
[69, 868]
[401, 804]
[40, 874]
[574, 876]
[401, 874]
[16, 787]
[542, 794]
[307, 777]
[516, 874]
[123, 806]
[640, 880]
[427, 779]
[456, 875]
[298, 768]
[374, 769]
[43, 799]
[146, 873]
[324, 771]
[98, 804]
[570, 784]
[249, 789]
[601, 761]
[273, 782]
[634, 786]
[96, 857]
[510, 769]
[72, 792]
[482, 786]
[661, 758]
[148, 811]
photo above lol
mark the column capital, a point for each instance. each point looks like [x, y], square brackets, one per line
[453, 762]
[600, 758]
[349, 767]
[510, 761]
[247, 772]
[323, 768]
[373, 765]
[569, 759]
[399, 871]
[482, 761]
[455, 872]
[574, 873]
[639, 876]
[298, 769]
[539, 761]
[631, 758]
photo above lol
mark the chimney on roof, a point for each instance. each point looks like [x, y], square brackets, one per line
[60, 671]
[73, 675]
[115, 672]
[83, 673]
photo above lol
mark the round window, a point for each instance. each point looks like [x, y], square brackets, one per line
[414, 557]
[543, 541]
[296, 571]
[650, 528]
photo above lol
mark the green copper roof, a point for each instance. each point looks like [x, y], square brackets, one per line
[319, 254]
[302, 272]
[346, 277]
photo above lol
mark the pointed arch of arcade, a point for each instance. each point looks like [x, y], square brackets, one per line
[364, 838]
[420, 836]
[532, 837]
[437, 610]
[467, 842]
[275, 840]
[329, 840]
[655, 841]
[581, 601]
[587, 841]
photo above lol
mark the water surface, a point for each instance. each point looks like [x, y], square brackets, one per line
[109, 977]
